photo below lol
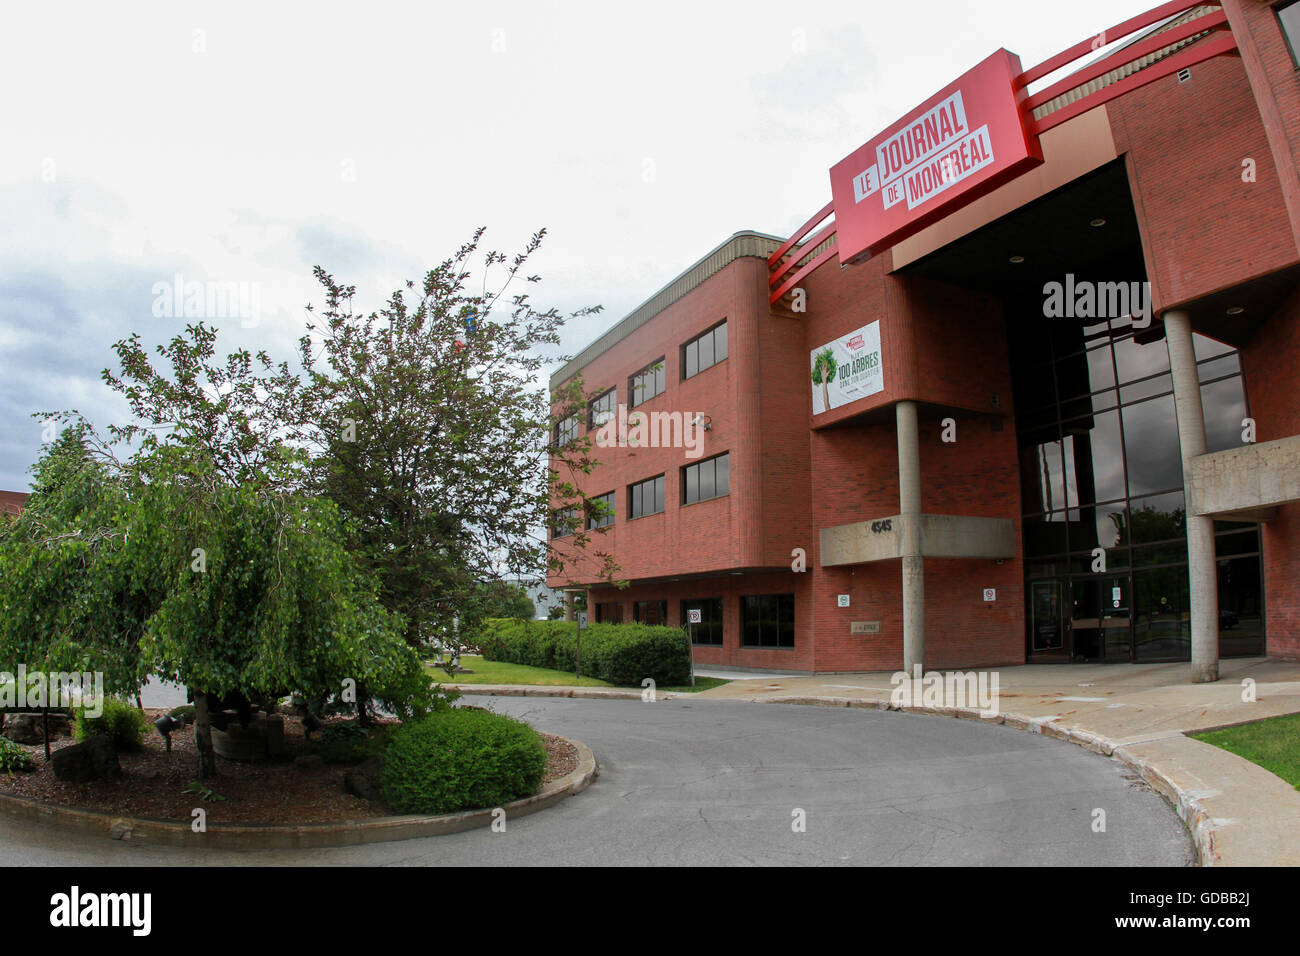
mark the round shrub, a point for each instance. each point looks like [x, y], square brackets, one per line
[120, 721]
[461, 760]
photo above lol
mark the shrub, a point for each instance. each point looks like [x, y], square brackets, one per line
[622, 654]
[14, 758]
[186, 711]
[346, 741]
[461, 760]
[343, 731]
[120, 721]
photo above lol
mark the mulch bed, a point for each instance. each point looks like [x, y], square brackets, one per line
[269, 791]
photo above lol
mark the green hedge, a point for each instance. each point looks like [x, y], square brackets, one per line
[461, 760]
[623, 654]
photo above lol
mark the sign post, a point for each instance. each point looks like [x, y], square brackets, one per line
[693, 617]
[577, 664]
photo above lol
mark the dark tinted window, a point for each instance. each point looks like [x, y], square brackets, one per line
[767, 620]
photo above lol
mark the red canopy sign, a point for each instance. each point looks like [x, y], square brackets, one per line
[963, 142]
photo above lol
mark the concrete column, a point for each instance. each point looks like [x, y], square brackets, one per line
[1201, 569]
[909, 500]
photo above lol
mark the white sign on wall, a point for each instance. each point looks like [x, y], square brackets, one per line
[843, 600]
[990, 594]
[847, 369]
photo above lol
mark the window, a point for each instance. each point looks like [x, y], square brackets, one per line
[650, 612]
[564, 522]
[647, 383]
[1288, 16]
[602, 408]
[609, 613]
[646, 497]
[705, 351]
[767, 620]
[709, 630]
[566, 430]
[706, 479]
[602, 515]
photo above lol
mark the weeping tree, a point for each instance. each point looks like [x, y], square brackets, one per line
[159, 567]
[70, 598]
[261, 598]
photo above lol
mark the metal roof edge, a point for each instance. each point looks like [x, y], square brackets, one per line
[740, 245]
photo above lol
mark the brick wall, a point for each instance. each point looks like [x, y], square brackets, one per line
[1270, 361]
[1203, 228]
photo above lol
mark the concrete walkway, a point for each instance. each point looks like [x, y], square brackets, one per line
[1237, 812]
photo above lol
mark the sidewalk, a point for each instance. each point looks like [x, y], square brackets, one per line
[1237, 812]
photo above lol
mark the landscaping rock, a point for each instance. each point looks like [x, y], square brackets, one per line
[363, 779]
[81, 763]
[28, 728]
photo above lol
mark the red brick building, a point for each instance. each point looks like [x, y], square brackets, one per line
[12, 502]
[946, 448]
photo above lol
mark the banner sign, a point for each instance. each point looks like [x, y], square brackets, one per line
[962, 143]
[847, 369]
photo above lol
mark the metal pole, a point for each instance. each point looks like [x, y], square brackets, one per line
[690, 635]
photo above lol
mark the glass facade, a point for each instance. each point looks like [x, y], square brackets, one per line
[1104, 526]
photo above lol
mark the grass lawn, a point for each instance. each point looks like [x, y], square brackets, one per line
[498, 672]
[1273, 743]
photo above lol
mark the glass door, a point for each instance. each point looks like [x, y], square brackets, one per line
[1117, 618]
[1100, 624]
[1046, 621]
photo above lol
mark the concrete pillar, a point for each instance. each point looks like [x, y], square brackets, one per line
[909, 500]
[1201, 569]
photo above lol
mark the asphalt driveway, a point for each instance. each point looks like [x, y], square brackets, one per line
[698, 782]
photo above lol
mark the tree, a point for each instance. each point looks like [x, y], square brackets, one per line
[227, 590]
[270, 529]
[505, 599]
[434, 433]
[69, 595]
[823, 373]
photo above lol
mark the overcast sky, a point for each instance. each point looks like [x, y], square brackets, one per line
[234, 142]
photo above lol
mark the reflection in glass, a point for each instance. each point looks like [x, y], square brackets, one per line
[1208, 348]
[1151, 446]
[1225, 407]
[1161, 618]
[1134, 361]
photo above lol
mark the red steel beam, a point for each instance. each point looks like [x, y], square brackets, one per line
[1117, 32]
[808, 269]
[806, 228]
[1196, 53]
[790, 263]
[1211, 21]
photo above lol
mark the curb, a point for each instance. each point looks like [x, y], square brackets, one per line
[270, 836]
[1201, 825]
[534, 690]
